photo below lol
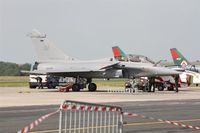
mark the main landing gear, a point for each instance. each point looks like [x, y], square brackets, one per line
[81, 83]
[92, 87]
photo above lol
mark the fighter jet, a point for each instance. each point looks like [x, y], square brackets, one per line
[149, 67]
[53, 61]
[181, 61]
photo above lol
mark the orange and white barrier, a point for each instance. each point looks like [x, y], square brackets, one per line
[36, 123]
[160, 120]
[77, 116]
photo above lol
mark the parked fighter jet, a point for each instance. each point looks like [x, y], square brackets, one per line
[182, 62]
[158, 80]
[52, 61]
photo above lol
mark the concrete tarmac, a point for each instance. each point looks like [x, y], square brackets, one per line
[23, 96]
[184, 111]
[21, 106]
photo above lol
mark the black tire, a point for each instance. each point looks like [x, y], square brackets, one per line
[160, 88]
[92, 87]
[75, 87]
[32, 87]
[197, 85]
[49, 87]
[54, 87]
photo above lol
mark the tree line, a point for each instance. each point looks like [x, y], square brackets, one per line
[13, 69]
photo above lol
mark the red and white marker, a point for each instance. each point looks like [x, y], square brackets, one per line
[36, 122]
[164, 121]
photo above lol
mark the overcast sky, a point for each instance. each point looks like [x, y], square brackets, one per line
[87, 29]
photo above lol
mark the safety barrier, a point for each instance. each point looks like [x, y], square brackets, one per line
[36, 122]
[160, 120]
[80, 117]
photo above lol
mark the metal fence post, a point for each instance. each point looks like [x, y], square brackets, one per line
[121, 123]
[90, 118]
[60, 122]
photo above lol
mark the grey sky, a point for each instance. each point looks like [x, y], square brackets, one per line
[87, 29]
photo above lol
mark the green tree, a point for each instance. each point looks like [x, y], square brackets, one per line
[24, 67]
[9, 69]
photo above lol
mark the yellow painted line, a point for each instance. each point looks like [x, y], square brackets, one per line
[151, 123]
[72, 129]
[130, 124]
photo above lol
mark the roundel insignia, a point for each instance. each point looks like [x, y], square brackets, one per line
[184, 63]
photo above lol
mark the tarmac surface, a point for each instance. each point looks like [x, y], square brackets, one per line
[186, 111]
[21, 106]
[23, 96]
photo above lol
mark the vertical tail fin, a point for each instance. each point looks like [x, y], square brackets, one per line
[178, 58]
[46, 50]
[119, 54]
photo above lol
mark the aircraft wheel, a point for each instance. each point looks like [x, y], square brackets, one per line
[49, 86]
[75, 87]
[32, 87]
[92, 87]
[160, 88]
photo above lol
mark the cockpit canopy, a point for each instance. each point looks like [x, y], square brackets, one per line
[140, 58]
[135, 58]
[193, 68]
